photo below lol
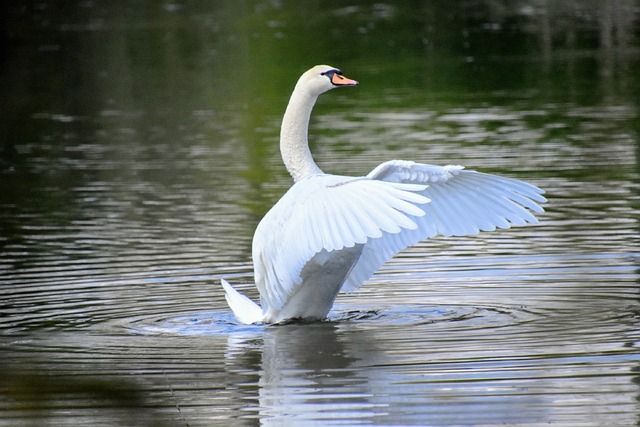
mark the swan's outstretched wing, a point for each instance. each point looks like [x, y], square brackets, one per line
[462, 203]
[326, 212]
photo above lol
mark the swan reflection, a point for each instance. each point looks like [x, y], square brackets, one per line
[337, 371]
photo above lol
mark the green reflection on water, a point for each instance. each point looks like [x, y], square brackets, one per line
[147, 130]
[145, 96]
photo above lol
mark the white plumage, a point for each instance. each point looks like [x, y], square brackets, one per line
[330, 233]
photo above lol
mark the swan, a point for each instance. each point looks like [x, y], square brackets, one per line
[330, 233]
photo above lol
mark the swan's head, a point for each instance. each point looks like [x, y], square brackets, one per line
[322, 78]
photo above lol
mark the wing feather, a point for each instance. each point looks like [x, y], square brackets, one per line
[326, 212]
[462, 203]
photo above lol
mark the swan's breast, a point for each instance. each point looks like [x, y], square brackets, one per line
[321, 280]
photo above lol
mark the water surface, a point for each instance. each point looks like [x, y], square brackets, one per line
[130, 186]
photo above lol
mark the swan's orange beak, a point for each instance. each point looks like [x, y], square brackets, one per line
[340, 80]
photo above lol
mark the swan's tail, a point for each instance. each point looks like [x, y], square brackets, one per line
[245, 310]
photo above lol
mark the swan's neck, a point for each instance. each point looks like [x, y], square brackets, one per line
[294, 145]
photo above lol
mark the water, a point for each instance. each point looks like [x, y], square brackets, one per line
[128, 189]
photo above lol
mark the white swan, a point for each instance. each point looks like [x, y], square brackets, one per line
[330, 233]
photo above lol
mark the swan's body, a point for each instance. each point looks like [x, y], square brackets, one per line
[330, 233]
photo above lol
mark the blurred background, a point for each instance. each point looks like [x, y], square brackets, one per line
[139, 150]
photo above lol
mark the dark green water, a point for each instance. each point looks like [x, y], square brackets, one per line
[139, 149]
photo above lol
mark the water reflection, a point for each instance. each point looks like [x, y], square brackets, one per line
[446, 365]
[139, 150]
[314, 374]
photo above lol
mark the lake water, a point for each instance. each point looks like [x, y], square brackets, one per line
[140, 151]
